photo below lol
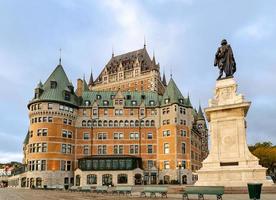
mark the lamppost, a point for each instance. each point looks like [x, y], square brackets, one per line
[179, 172]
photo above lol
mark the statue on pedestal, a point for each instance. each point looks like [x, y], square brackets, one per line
[225, 61]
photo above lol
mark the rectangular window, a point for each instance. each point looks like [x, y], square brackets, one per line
[102, 136]
[118, 136]
[105, 112]
[166, 164]
[63, 148]
[44, 119]
[86, 136]
[150, 164]
[85, 150]
[50, 119]
[69, 134]
[43, 165]
[133, 149]
[44, 132]
[183, 133]
[166, 133]
[44, 147]
[69, 122]
[102, 149]
[64, 133]
[150, 136]
[69, 148]
[61, 107]
[64, 121]
[183, 164]
[95, 112]
[118, 149]
[134, 136]
[183, 148]
[68, 167]
[39, 132]
[62, 165]
[166, 148]
[150, 149]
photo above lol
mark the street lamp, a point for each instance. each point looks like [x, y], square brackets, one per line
[179, 172]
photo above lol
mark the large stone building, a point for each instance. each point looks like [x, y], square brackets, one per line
[127, 127]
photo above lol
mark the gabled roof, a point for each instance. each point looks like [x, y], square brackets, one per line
[58, 93]
[126, 61]
[174, 95]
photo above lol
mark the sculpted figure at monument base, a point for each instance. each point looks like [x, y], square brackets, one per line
[229, 163]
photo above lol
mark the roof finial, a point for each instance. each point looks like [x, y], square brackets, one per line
[171, 72]
[59, 56]
[112, 51]
[145, 42]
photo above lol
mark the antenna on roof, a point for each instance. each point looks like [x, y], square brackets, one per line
[60, 56]
[145, 42]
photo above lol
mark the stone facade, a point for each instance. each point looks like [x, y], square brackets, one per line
[230, 162]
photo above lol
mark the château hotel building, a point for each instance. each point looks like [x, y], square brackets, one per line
[128, 126]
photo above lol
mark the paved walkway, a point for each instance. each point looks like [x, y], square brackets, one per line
[28, 194]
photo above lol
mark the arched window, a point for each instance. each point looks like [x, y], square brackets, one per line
[147, 123]
[126, 123]
[115, 123]
[89, 123]
[38, 182]
[131, 123]
[100, 123]
[142, 123]
[136, 123]
[110, 123]
[122, 179]
[152, 123]
[78, 180]
[83, 123]
[91, 179]
[105, 123]
[121, 124]
[94, 123]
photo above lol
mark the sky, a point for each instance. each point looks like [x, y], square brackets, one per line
[183, 34]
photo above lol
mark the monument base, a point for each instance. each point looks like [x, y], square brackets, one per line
[232, 177]
[229, 163]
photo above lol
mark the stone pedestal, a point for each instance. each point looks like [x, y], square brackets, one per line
[229, 162]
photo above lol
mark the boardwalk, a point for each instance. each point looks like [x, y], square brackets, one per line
[27, 194]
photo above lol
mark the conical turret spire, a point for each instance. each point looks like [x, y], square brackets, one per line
[91, 81]
[164, 79]
[200, 113]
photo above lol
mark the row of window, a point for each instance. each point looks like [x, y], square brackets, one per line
[37, 165]
[119, 112]
[167, 164]
[118, 136]
[38, 147]
[195, 156]
[41, 119]
[167, 148]
[116, 123]
[92, 179]
[36, 107]
[61, 107]
[167, 133]
[67, 134]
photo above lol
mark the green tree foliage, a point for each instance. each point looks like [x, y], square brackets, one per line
[266, 152]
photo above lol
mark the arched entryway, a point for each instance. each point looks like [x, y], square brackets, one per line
[184, 179]
[107, 179]
[138, 179]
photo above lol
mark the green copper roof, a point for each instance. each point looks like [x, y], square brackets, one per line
[26, 140]
[131, 99]
[200, 115]
[174, 95]
[85, 86]
[57, 93]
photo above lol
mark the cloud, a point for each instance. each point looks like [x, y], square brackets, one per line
[10, 156]
[259, 29]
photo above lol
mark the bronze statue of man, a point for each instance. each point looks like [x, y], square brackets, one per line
[225, 61]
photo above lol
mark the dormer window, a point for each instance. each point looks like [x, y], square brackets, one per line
[128, 97]
[134, 103]
[53, 84]
[167, 101]
[98, 96]
[112, 96]
[152, 102]
[105, 103]
[67, 96]
[87, 103]
[181, 101]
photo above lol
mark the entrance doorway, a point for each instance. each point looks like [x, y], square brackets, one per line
[138, 179]
[107, 179]
[184, 179]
